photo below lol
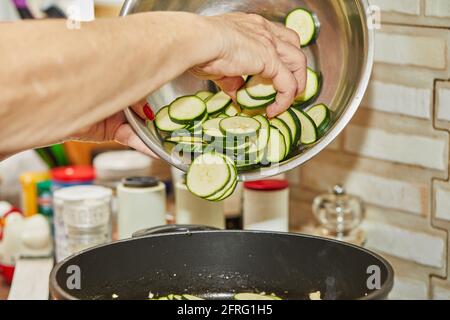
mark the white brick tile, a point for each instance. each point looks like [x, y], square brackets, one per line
[419, 247]
[377, 190]
[437, 8]
[443, 109]
[402, 49]
[441, 292]
[409, 289]
[411, 7]
[442, 203]
[410, 149]
[395, 98]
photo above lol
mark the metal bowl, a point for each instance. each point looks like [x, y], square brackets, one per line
[343, 54]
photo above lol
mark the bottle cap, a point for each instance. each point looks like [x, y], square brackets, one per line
[140, 182]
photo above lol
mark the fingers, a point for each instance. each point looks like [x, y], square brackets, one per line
[286, 85]
[295, 61]
[285, 34]
[230, 85]
[126, 136]
[138, 107]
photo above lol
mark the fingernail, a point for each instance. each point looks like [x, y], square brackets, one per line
[148, 112]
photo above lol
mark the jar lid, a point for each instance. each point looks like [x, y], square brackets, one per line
[73, 174]
[122, 161]
[80, 193]
[267, 185]
[140, 182]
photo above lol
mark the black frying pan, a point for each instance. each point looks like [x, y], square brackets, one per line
[215, 264]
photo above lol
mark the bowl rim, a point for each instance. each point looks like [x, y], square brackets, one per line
[306, 155]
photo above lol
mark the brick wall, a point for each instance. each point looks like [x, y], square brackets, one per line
[395, 152]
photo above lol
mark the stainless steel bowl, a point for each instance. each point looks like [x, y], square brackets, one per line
[343, 54]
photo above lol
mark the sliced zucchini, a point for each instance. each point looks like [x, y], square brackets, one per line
[305, 23]
[233, 110]
[276, 148]
[196, 127]
[211, 129]
[285, 131]
[239, 126]
[263, 134]
[309, 130]
[260, 89]
[253, 296]
[222, 115]
[164, 123]
[208, 174]
[230, 185]
[247, 102]
[186, 110]
[204, 94]
[177, 297]
[294, 125]
[191, 297]
[321, 116]
[229, 192]
[185, 139]
[313, 85]
[218, 102]
[253, 112]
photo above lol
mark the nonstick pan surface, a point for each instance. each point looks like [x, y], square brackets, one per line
[218, 264]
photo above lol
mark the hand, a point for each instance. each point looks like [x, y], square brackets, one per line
[116, 128]
[253, 45]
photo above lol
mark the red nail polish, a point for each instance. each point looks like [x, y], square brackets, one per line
[148, 112]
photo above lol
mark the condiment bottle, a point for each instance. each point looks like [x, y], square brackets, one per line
[142, 204]
[190, 209]
[266, 205]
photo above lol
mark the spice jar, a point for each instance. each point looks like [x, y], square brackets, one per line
[190, 209]
[266, 205]
[141, 205]
[85, 212]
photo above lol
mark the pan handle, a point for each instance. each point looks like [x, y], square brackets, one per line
[172, 228]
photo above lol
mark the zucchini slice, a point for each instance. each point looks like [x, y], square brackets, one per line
[309, 130]
[305, 23]
[321, 115]
[233, 110]
[185, 139]
[204, 94]
[211, 129]
[218, 102]
[164, 123]
[260, 89]
[253, 296]
[285, 131]
[313, 85]
[196, 127]
[263, 134]
[247, 102]
[222, 115]
[294, 125]
[230, 185]
[208, 174]
[191, 297]
[186, 110]
[276, 149]
[239, 126]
